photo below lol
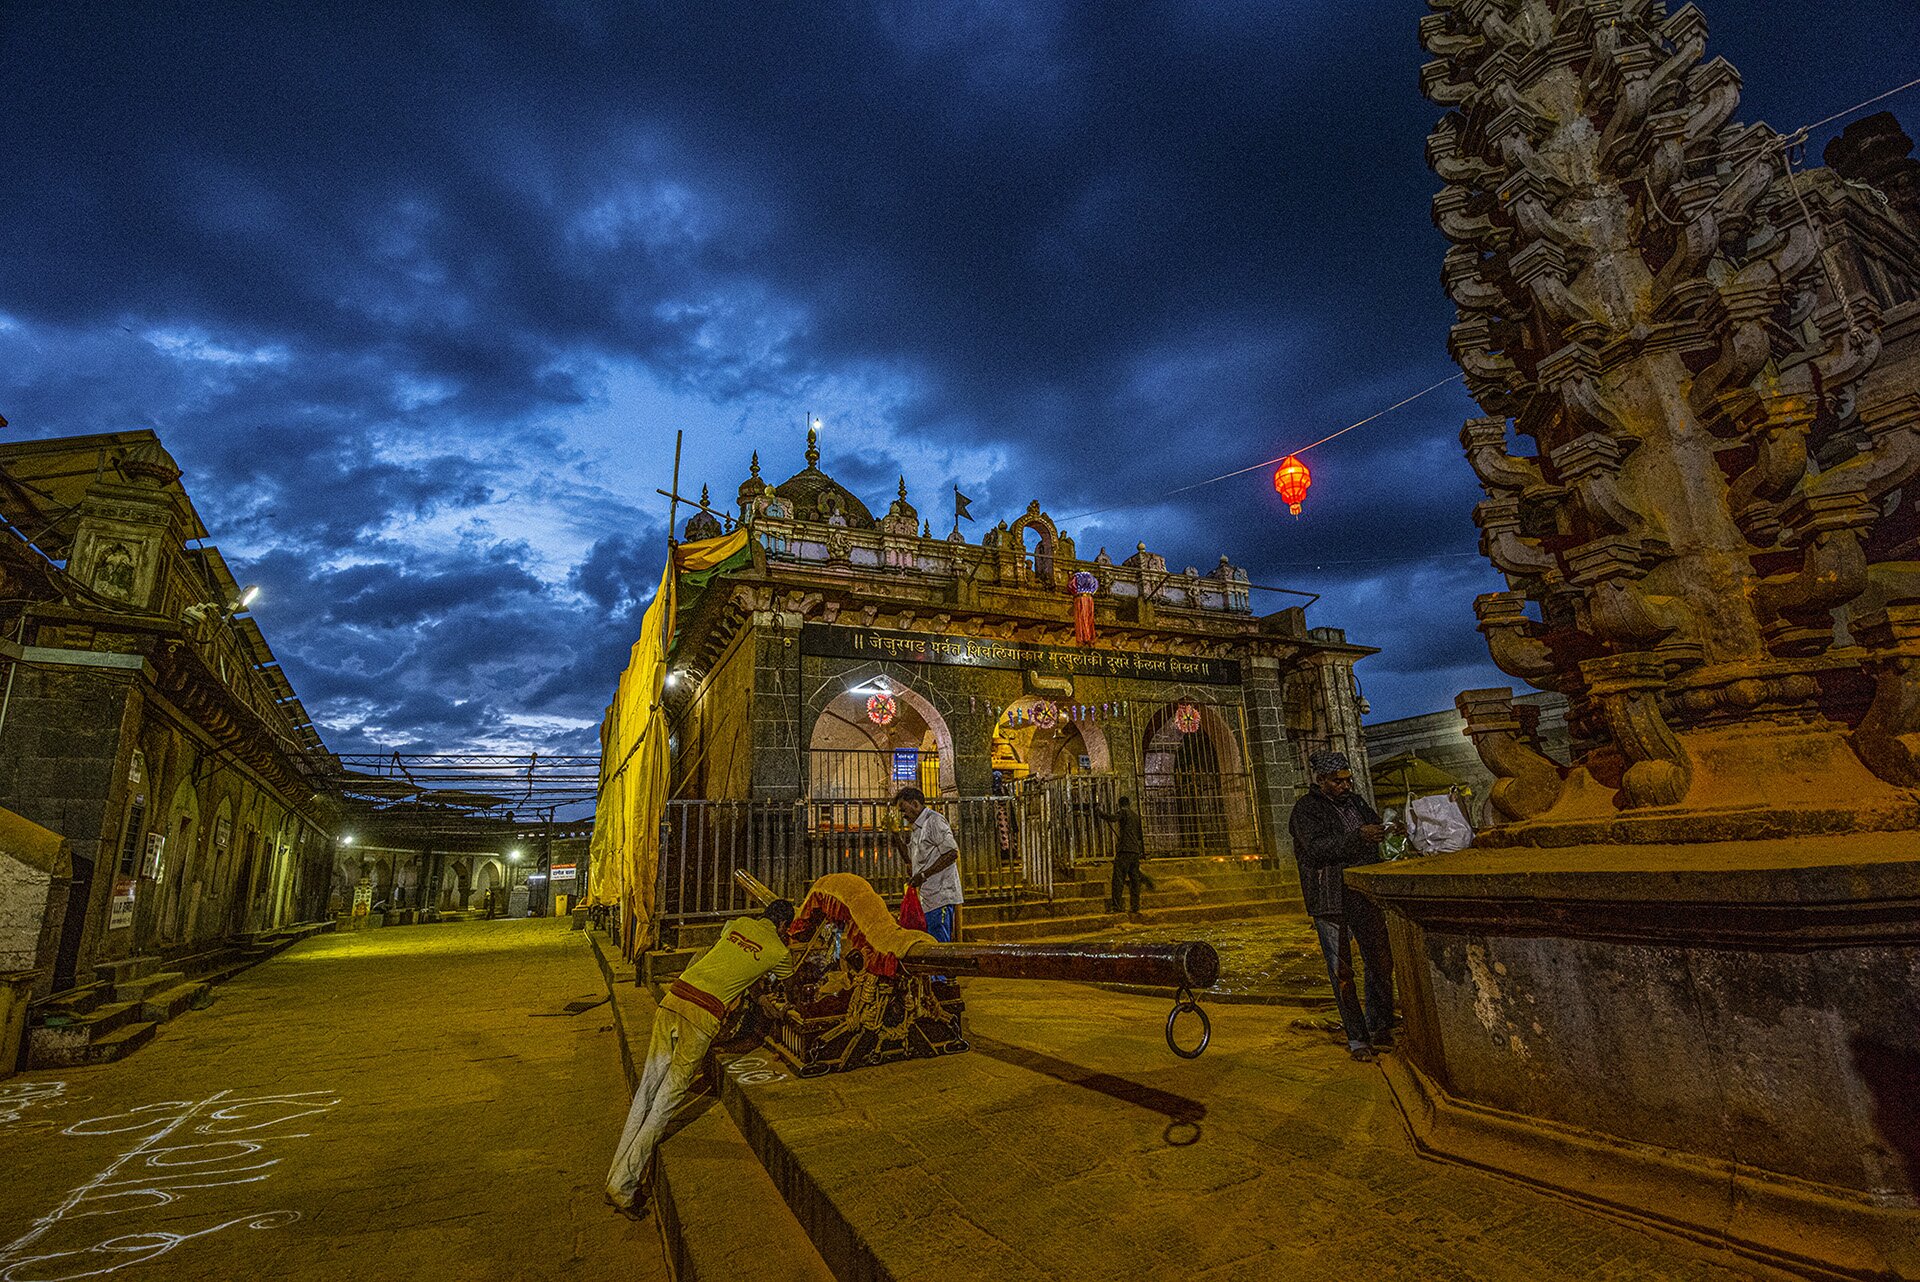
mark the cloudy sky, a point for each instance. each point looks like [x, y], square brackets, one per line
[418, 296]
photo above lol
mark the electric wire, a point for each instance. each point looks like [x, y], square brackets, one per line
[1782, 144]
[1255, 467]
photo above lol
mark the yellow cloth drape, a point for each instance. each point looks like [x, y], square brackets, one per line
[691, 558]
[634, 756]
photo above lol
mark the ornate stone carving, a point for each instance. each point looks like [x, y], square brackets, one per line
[1640, 293]
[1526, 781]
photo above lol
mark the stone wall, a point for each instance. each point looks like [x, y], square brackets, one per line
[95, 756]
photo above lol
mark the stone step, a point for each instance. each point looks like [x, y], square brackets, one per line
[1093, 879]
[1014, 932]
[139, 990]
[74, 1002]
[1162, 896]
[63, 1045]
[127, 970]
[120, 1043]
[1166, 891]
[192, 994]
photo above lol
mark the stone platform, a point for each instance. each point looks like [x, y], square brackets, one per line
[1720, 1037]
[1070, 1144]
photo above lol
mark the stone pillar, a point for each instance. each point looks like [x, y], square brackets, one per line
[1275, 762]
[972, 752]
[773, 716]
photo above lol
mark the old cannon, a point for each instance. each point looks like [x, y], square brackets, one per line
[866, 991]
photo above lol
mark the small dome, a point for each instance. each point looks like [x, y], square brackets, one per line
[703, 524]
[753, 487]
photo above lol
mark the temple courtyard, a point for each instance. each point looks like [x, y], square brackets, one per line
[441, 1102]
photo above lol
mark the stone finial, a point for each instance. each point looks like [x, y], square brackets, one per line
[926, 530]
[813, 445]
[706, 499]
[903, 489]
[753, 466]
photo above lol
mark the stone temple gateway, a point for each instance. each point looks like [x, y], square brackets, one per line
[842, 654]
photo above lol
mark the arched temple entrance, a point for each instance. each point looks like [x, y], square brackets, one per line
[1195, 794]
[875, 738]
[1034, 739]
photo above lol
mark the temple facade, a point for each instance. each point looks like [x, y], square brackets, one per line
[848, 653]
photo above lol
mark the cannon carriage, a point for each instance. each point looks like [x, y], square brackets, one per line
[865, 991]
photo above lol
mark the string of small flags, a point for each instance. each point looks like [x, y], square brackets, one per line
[1047, 713]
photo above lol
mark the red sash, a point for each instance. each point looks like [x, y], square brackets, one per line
[700, 997]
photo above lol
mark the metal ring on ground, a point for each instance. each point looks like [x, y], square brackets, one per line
[1182, 1003]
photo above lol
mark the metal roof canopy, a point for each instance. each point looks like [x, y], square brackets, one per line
[466, 795]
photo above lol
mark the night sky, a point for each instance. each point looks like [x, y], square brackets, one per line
[418, 299]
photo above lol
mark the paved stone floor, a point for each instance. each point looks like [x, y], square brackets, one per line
[1070, 1144]
[396, 1104]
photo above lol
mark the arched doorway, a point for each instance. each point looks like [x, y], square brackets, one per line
[183, 830]
[487, 875]
[876, 737]
[1194, 790]
[1036, 739]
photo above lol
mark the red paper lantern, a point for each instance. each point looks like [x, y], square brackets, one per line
[1291, 481]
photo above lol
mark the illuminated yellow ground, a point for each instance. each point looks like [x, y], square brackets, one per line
[469, 1138]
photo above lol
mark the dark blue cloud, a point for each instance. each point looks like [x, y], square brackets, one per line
[382, 277]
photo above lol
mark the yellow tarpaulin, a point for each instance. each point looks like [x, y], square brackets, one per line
[634, 755]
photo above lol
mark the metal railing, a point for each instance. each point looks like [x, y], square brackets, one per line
[1011, 847]
[1197, 814]
[854, 774]
[789, 844]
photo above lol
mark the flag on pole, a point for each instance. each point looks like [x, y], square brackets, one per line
[962, 507]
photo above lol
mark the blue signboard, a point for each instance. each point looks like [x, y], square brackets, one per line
[906, 765]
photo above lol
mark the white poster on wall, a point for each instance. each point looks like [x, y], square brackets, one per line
[120, 908]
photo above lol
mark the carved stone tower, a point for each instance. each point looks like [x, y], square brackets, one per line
[1679, 977]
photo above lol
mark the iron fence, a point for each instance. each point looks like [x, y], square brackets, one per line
[853, 774]
[1197, 814]
[1011, 846]
[789, 844]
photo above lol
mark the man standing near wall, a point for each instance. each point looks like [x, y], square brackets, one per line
[1332, 831]
[933, 857]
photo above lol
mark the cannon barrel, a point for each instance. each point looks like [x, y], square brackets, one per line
[1188, 965]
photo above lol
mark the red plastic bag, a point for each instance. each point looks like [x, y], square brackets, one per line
[911, 916]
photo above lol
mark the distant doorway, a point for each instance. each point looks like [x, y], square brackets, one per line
[73, 927]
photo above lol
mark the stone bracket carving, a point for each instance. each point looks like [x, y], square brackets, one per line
[1888, 740]
[1627, 688]
[1526, 782]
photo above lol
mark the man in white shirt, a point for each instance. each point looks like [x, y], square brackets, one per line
[933, 857]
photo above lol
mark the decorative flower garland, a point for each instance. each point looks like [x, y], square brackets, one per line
[1186, 718]
[881, 709]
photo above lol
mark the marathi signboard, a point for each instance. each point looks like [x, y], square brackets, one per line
[156, 856]
[120, 907]
[831, 642]
[906, 765]
[563, 872]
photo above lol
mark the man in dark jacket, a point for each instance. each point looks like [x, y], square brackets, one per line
[1129, 848]
[1332, 831]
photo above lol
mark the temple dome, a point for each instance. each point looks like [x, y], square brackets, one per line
[808, 488]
